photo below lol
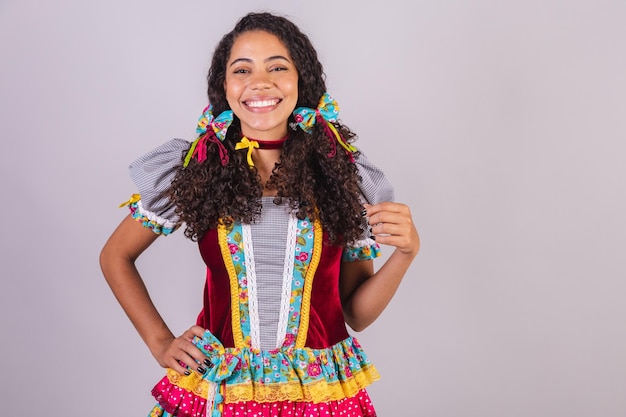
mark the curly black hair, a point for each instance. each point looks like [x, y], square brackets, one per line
[315, 180]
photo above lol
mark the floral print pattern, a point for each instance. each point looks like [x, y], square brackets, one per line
[302, 258]
[144, 218]
[364, 252]
[329, 374]
[234, 241]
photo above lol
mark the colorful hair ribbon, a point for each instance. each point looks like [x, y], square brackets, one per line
[216, 134]
[326, 113]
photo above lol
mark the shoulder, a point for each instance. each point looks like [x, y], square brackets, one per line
[374, 185]
[153, 174]
[169, 154]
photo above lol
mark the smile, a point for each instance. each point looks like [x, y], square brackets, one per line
[262, 103]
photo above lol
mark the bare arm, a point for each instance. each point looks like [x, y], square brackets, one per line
[365, 294]
[117, 261]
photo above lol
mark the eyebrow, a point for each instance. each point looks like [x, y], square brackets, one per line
[271, 58]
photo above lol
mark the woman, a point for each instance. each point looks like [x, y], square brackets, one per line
[285, 211]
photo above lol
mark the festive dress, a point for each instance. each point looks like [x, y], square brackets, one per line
[276, 336]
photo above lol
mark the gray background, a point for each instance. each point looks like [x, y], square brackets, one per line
[501, 124]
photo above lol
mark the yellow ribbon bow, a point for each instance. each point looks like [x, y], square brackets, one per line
[133, 199]
[246, 143]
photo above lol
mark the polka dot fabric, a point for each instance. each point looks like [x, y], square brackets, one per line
[358, 406]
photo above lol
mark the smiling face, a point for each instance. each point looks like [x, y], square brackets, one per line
[261, 85]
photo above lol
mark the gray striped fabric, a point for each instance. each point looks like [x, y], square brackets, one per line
[269, 241]
[153, 173]
[374, 185]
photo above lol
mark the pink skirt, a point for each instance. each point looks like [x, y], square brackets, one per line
[358, 406]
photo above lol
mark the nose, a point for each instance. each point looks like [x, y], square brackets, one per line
[260, 81]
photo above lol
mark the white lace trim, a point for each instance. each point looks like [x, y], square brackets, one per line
[363, 243]
[168, 224]
[253, 309]
[285, 301]
[210, 398]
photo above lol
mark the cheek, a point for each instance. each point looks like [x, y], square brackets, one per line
[294, 88]
[228, 88]
[232, 92]
[294, 83]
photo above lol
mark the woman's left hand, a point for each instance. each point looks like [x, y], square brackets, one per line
[392, 224]
[364, 294]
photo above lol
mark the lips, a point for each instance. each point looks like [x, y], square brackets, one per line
[255, 104]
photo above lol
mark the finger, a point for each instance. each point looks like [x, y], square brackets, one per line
[202, 361]
[198, 331]
[389, 229]
[400, 242]
[398, 218]
[179, 351]
[192, 332]
[407, 241]
[179, 366]
[385, 206]
[178, 361]
[185, 356]
[198, 361]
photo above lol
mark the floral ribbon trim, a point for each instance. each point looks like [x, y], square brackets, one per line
[224, 362]
[363, 250]
[148, 219]
[314, 375]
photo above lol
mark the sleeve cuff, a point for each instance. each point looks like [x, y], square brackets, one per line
[149, 220]
[362, 250]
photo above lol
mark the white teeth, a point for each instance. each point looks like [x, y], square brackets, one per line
[262, 103]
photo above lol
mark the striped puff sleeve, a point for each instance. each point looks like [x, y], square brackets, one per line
[375, 188]
[152, 174]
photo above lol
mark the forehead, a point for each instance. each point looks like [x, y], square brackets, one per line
[257, 44]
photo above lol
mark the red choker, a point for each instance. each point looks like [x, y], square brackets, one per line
[270, 144]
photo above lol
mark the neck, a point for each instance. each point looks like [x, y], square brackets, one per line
[270, 144]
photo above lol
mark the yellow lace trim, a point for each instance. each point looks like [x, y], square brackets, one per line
[222, 235]
[318, 391]
[192, 383]
[303, 329]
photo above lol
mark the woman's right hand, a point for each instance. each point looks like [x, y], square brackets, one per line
[117, 259]
[181, 355]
